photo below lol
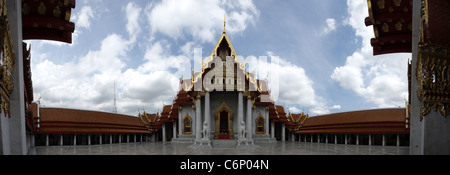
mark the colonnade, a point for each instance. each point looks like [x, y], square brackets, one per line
[355, 139]
[91, 139]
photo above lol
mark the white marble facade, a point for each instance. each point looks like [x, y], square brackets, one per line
[217, 101]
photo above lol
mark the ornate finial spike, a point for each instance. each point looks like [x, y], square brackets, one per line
[224, 22]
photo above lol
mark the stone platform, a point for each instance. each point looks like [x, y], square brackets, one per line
[168, 148]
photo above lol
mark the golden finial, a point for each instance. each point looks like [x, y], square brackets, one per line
[39, 100]
[224, 22]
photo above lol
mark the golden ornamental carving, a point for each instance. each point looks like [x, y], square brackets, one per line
[42, 9]
[385, 27]
[398, 26]
[397, 2]
[433, 78]
[432, 72]
[380, 4]
[56, 12]
[7, 59]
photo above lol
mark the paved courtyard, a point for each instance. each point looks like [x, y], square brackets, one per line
[278, 148]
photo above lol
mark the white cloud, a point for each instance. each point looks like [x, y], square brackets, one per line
[133, 13]
[294, 110]
[293, 86]
[201, 19]
[84, 17]
[381, 80]
[331, 26]
[86, 82]
[336, 107]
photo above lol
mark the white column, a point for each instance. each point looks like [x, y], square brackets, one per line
[318, 138]
[283, 131]
[240, 111]
[120, 138]
[357, 139]
[110, 139]
[384, 140]
[89, 139]
[249, 122]
[398, 140]
[272, 130]
[370, 139]
[326, 138]
[134, 139]
[33, 144]
[101, 139]
[74, 140]
[335, 138]
[208, 112]
[17, 143]
[61, 139]
[198, 118]
[46, 140]
[164, 132]
[266, 117]
[152, 137]
[180, 121]
[345, 138]
[174, 130]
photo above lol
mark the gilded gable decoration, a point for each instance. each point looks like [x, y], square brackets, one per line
[7, 59]
[433, 62]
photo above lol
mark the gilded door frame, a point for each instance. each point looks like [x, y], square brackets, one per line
[263, 126]
[184, 124]
[219, 109]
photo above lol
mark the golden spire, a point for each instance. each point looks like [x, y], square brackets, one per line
[224, 22]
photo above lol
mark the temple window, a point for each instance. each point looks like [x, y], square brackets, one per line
[187, 122]
[260, 122]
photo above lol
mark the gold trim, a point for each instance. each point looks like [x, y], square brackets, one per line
[381, 4]
[42, 9]
[184, 124]
[242, 66]
[433, 78]
[263, 126]
[7, 62]
[398, 26]
[56, 12]
[372, 18]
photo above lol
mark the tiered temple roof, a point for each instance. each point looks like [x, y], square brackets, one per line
[376, 121]
[72, 121]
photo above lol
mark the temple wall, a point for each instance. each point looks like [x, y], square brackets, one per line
[255, 113]
[187, 110]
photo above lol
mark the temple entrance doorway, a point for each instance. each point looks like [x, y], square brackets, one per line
[224, 122]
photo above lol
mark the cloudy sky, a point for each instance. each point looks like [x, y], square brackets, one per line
[323, 50]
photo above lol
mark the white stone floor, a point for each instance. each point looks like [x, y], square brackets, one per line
[168, 148]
